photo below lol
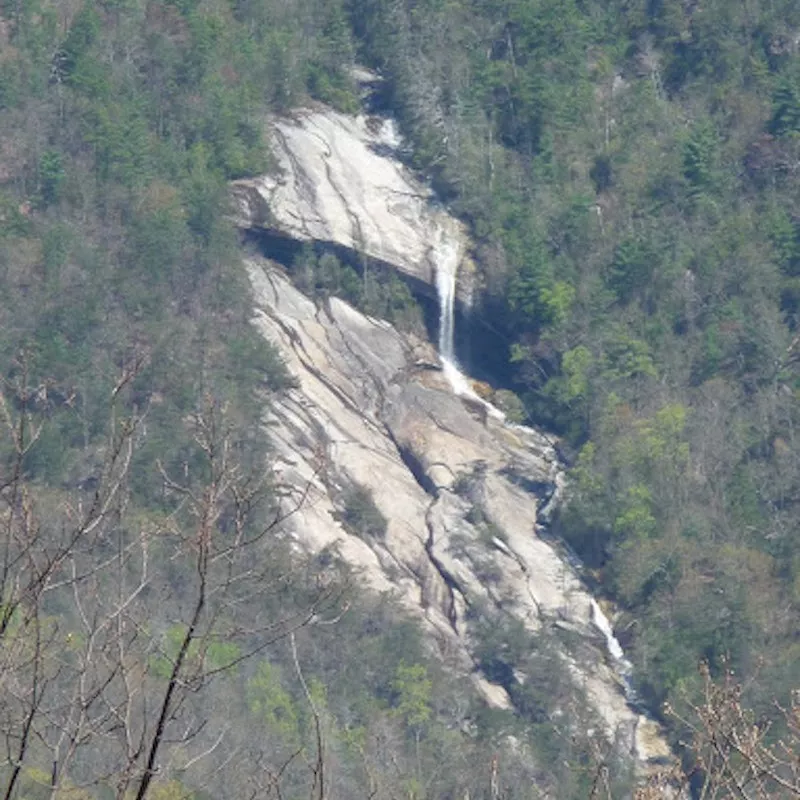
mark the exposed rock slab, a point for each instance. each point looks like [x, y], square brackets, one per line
[340, 180]
[462, 522]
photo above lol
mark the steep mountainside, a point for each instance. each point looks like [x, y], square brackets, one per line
[373, 419]
[375, 430]
[599, 200]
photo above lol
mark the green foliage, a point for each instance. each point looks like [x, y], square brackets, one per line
[9, 85]
[83, 33]
[377, 290]
[332, 88]
[120, 242]
[627, 358]
[699, 158]
[532, 293]
[118, 134]
[786, 107]
[571, 390]
[636, 519]
[642, 322]
[13, 221]
[412, 689]
[272, 704]
[360, 515]
[511, 405]
[784, 234]
[632, 268]
[212, 655]
[157, 238]
[51, 177]
[220, 655]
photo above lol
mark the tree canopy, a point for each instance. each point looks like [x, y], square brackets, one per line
[629, 173]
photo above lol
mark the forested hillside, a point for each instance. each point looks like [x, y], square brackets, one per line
[159, 637]
[629, 171]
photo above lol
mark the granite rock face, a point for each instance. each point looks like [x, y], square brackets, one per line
[340, 180]
[461, 490]
[463, 493]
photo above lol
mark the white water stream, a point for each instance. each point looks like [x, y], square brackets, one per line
[446, 260]
[623, 665]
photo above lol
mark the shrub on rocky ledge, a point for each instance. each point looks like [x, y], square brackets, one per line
[360, 515]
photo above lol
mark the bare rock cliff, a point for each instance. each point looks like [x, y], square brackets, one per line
[461, 491]
[373, 412]
[340, 180]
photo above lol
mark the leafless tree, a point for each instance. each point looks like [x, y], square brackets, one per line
[113, 620]
[736, 754]
[731, 754]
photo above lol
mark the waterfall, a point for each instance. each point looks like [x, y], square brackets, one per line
[446, 258]
[446, 261]
[624, 667]
[604, 626]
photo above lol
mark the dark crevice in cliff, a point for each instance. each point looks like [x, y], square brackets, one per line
[450, 582]
[286, 250]
[477, 344]
[416, 468]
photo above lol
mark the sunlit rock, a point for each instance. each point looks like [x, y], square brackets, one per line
[461, 494]
[340, 180]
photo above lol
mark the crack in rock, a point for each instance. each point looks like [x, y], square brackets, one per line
[447, 577]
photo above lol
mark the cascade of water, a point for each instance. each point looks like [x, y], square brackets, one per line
[446, 260]
[604, 626]
[602, 623]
